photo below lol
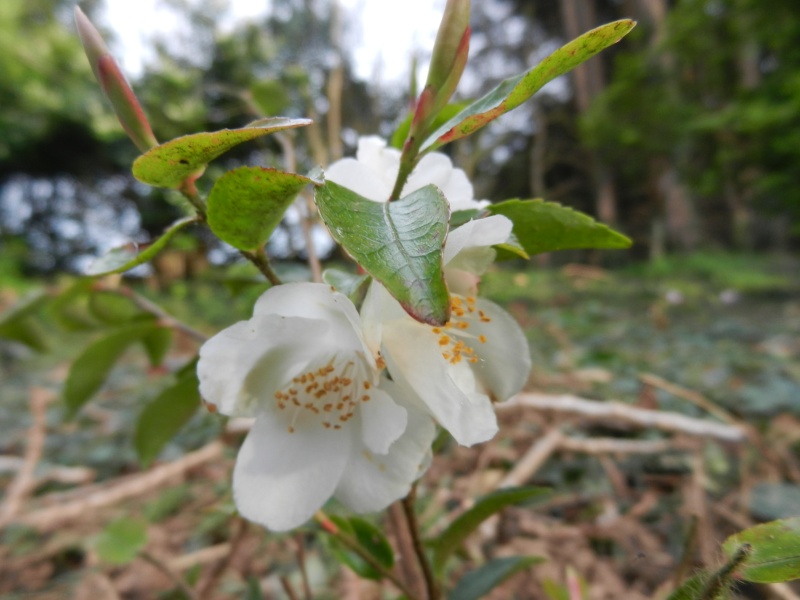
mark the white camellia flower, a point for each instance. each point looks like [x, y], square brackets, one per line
[373, 172]
[326, 422]
[478, 357]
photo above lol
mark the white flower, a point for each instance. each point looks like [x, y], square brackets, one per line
[326, 422]
[372, 175]
[480, 356]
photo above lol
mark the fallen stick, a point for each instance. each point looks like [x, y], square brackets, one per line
[115, 492]
[24, 481]
[623, 413]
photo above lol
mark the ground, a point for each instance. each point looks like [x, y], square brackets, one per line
[678, 355]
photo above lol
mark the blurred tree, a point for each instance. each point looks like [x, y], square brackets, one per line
[702, 119]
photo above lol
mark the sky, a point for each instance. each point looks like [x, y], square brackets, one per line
[381, 34]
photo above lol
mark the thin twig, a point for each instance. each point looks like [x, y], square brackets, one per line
[104, 495]
[206, 589]
[533, 459]
[300, 552]
[690, 396]
[288, 588]
[356, 547]
[434, 592]
[165, 318]
[623, 413]
[172, 575]
[259, 258]
[24, 481]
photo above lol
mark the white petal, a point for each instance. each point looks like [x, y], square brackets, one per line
[359, 178]
[281, 479]
[315, 301]
[437, 169]
[414, 358]
[267, 346]
[505, 359]
[476, 234]
[382, 421]
[378, 307]
[380, 160]
[373, 481]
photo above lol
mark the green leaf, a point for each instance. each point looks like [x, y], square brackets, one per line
[513, 92]
[353, 286]
[398, 243]
[169, 164]
[164, 416]
[451, 538]
[70, 307]
[113, 308]
[459, 217]
[246, 204]
[18, 324]
[775, 551]
[541, 226]
[132, 255]
[370, 538]
[476, 584]
[120, 542]
[156, 344]
[89, 371]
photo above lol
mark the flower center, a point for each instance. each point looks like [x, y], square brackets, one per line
[463, 313]
[328, 394]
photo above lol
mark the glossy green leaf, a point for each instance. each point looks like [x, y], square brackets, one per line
[476, 584]
[451, 538]
[171, 163]
[164, 416]
[18, 323]
[541, 226]
[353, 286]
[132, 255]
[370, 538]
[120, 542]
[246, 204]
[113, 308]
[157, 344]
[89, 371]
[398, 243]
[775, 551]
[513, 92]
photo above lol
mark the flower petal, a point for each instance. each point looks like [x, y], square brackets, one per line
[437, 168]
[448, 390]
[505, 359]
[357, 177]
[382, 421]
[384, 162]
[315, 301]
[476, 235]
[281, 479]
[236, 363]
[372, 481]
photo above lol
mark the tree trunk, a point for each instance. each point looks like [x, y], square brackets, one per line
[579, 16]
